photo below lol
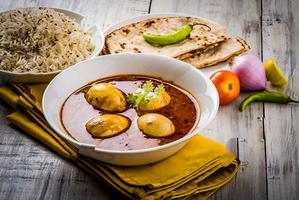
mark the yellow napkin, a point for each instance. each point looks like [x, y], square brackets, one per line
[200, 168]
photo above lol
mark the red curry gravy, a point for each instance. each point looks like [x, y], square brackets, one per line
[76, 111]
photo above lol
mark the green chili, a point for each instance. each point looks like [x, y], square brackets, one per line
[267, 96]
[173, 38]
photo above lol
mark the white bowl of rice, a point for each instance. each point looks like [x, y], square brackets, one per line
[38, 43]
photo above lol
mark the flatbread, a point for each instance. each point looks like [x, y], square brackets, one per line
[129, 38]
[197, 51]
[222, 52]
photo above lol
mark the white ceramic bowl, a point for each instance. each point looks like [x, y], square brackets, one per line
[169, 69]
[34, 77]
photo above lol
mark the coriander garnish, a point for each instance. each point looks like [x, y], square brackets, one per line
[145, 93]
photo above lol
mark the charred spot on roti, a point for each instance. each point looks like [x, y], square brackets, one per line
[126, 31]
[136, 50]
[149, 23]
[123, 45]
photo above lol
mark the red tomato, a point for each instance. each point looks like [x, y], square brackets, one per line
[227, 84]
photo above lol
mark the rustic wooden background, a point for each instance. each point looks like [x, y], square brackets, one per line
[268, 135]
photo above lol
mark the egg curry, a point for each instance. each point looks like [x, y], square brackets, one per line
[129, 112]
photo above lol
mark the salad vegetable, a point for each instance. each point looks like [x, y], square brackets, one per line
[251, 72]
[173, 38]
[266, 96]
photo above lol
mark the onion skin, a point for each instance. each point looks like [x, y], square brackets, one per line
[250, 71]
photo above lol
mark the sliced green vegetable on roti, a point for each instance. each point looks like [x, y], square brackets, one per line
[172, 38]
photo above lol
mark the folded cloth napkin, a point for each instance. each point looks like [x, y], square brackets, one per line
[200, 168]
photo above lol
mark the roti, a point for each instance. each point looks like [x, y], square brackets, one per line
[129, 38]
[222, 52]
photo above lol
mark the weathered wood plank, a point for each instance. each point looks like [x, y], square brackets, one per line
[28, 170]
[280, 40]
[241, 18]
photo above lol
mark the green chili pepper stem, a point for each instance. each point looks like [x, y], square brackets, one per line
[196, 24]
[173, 38]
[294, 101]
[267, 96]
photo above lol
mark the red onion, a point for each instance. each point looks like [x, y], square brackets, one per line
[250, 71]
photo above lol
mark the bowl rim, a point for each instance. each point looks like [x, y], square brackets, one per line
[190, 134]
[64, 11]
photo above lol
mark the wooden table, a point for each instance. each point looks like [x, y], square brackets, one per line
[268, 135]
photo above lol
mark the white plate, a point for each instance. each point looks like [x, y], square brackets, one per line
[169, 69]
[207, 71]
[34, 77]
